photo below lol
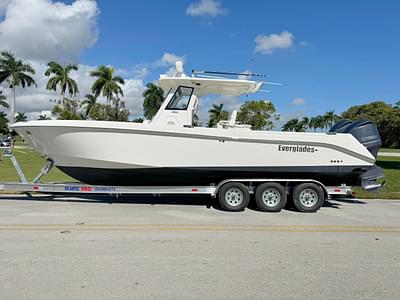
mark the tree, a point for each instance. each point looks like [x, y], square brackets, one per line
[217, 114]
[320, 122]
[3, 123]
[89, 102]
[305, 122]
[107, 84]
[153, 98]
[295, 125]
[330, 118]
[397, 105]
[20, 117]
[314, 123]
[61, 78]
[386, 117]
[290, 125]
[3, 99]
[44, 117]
[138, 120]
[16, 73]
[67, 109]
[108, 112]
[259, 114]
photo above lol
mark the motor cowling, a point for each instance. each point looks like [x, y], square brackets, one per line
[364, 131]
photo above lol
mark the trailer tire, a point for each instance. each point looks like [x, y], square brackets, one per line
[233, 196]
[308, 197]
[271, 197]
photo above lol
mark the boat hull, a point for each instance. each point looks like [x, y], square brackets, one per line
[117, 153]
[332, 176]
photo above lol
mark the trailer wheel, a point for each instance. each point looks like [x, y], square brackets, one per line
[308, 197]
[233, 196]
[271, 197]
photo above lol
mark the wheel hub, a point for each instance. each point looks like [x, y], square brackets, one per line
[271, 197]
[234, 197]
[308, 197]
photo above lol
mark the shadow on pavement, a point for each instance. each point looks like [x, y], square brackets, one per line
[201, 200]
[196, 200]
[349, 200]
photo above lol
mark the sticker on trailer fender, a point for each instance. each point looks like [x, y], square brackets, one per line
[71, 188]
[86, 189]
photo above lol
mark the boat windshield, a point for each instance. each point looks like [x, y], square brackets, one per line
[181, 98]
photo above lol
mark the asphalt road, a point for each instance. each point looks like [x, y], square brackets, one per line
[177, 248]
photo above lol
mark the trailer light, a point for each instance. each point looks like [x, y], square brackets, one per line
[195, 190]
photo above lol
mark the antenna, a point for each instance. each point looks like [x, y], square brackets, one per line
[228, 73]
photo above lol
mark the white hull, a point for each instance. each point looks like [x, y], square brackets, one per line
[130, 145]
[117, 146]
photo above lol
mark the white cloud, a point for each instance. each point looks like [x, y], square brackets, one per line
[133, 96]
[46, 30]
[266, 44]
[168, 59]
[140, 73]
[304, 43]
[42, 30]
[34, 100]
[298, 101]
[206, 8]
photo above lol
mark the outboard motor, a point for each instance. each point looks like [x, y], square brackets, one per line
[341, 126]
[365, 132]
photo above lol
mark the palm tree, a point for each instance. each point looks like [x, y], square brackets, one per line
[217, 114]
[90, 101]
[43, 117]
[314, 123]
[397, 105]
[3, 123]
[294, 125]
[16, 73]
[107, 84]
[290, 125]
[153, 98]
[330, 118]
[305, 122]
[61, 78]
[3, 99]
[21, 117]
[320, 122]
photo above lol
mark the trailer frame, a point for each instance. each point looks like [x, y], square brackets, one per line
[81, 188]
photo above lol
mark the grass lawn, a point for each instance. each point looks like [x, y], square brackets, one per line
[389, 150]
[31, 163]
[391, 166]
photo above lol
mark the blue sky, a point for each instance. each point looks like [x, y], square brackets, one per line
[328, 55]
[344, 52]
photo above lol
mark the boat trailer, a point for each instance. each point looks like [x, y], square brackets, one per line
[77, 188]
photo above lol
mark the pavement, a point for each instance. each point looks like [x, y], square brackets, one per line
[186, 248]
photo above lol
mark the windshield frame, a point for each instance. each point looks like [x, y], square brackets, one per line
[169, 105]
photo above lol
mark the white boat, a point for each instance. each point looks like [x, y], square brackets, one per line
[168, 150]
